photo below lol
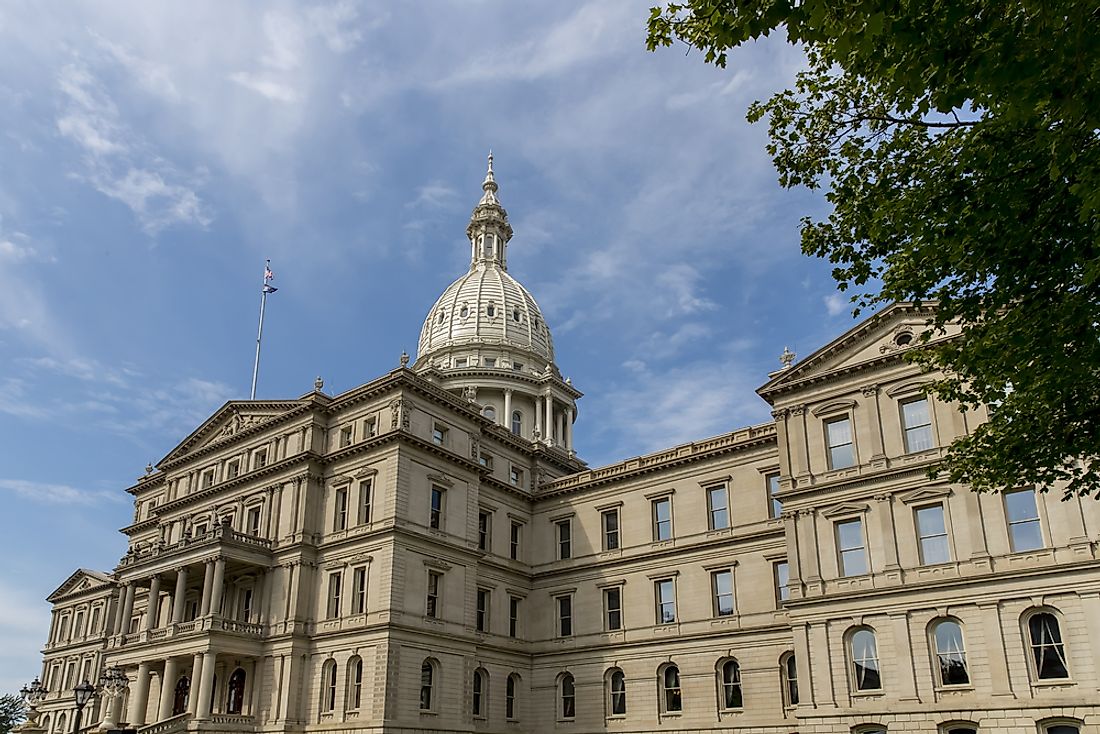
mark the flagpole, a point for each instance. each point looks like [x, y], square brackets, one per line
[260, 331]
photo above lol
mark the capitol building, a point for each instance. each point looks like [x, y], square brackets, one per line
[427, 552]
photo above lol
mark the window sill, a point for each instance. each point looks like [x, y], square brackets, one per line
[426, 712]
[731, 712]
[1053, 683]
[876, 693]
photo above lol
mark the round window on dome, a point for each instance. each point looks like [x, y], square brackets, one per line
[464, 312]
[441, 316]
[490, 310]
[515, 315]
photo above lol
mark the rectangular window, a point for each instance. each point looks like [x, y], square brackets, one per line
[662, 518]
[259, 459]
[513, 541]
[838, 434]
[484, 520]
[565, 539]
[917, 421]
[233, 469]
[490, 361]
[345, 436]
[252, 520]
[665, 594]
[718, 507]
[782, 581]
[932, 534]
[486, 460]
[435, 515]
[359, 590]
[246, 605]
[613, 608]
[1023, 520]
[333, 610]
[722, 584]
[513, 616]
[565, 616]
[850, 548]
[370, 427]
[775, 507]
[366, 487]
[515, 476]
[460, 361]
[207, 479]
[340, 509]
[432, 608]
[610, 519]
[482, 611]
[439, 435]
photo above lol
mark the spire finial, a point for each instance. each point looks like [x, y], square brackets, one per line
[490, 183]
[786, 358]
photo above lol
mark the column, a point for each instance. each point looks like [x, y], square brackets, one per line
[974, 524]
[548, 420]
[154, 603]
[506, 419]
[885, 510]
[560, 436]
[903, 647]
[139, 700]
[218, 587]
[809, 551]
[800, 464]
[206, 686]
[995, 645]
[116, 709]
[207, 588]
[122, 624]
[794, 557]
[569, 418]
[168, 687]
[196, 676]
[178, 597]
[538, 418]
[878, 451]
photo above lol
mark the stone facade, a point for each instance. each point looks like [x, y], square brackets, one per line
[398, 558]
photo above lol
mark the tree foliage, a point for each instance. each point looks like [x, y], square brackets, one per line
[957, 142]
[12, 712]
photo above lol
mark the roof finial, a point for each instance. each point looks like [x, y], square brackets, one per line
[490, 183]
[786, 358]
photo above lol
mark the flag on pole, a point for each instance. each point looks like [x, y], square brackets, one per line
[268, 275]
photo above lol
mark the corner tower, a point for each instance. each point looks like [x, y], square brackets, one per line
[485, 338]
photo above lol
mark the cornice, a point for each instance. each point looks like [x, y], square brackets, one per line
[241, 479]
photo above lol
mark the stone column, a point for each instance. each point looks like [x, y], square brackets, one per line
[569, 417]
[809, 552]
[878, 450]
[206, 686]
[538, 417]
[218, 587]
[548, 419]
[995, 646]
[207, 588]
[885, 510]
[123, 623]
[196, 676]
[139, 700]
[903, 646]
[794, 557]
[154, 603]
[800, 459]
[178, 597]
[168, 688]
[506, 419]
[560, 435]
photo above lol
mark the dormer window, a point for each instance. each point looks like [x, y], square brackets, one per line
[515, 315]
[491, 310]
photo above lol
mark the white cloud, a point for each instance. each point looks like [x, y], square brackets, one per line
[434, 195]
[266, 87]
[58, 494]
[24, 624]
[835, 304]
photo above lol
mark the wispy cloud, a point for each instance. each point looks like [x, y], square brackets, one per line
[24, 623]
[434, 195]
[835, 304]
[58, 494]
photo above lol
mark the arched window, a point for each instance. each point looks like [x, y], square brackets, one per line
[730, 685]
[427, 681]
[517, 422]
[328, 686]
[869, 729]
[355, 682]
[1048, 653]
[489, 412]
[510, 689]
[1060, 726]
[788, 673]
[567, 695]
[478, 704]
[864, 657]
[235, 697]
[179, 701]
[464, 311]
[668, 678]
[958, 727]
[615, 680]
[947, 641]
[491, 310]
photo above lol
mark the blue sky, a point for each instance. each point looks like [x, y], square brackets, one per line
[153, 154]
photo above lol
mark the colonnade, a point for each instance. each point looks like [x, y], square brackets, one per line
[213, 588]
[200, 698]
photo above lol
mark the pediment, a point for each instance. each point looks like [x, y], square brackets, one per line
[891, 331]
[232, 419]
[926, 494]
[81, 580]
[846, 508]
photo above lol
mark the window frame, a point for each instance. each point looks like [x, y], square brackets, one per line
[906, 429]
[716, 595]
[788, 665]
[563, 615]
[516, 422]
[329, 672]
[482, 606]
[366, 500]
[514, 603]
[334, 594]
[922, 536]
[725, 685]
[355, 683]
[1010, 524]
[614, 695]
[611, 536]
[863, 684]
[566, 707]
[433, 595]
[439, 433]
[484, 529]
[511, 697]
[564, 544]
[359, 578]
[436, 509]
[939, 655]
[479, 693]
[515, 538]
[657, 523]
[842, 570]
[429, 672]
[340, 509]
[721, 489]
[660, 602]
[670, 698]
[1033, 650]
[608, 610]
[830, 447]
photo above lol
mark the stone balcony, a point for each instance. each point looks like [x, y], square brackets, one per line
[222, 540]
[211, 624]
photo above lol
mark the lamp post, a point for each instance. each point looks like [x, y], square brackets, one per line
[112, 683]
[82, 693]
[32, 694]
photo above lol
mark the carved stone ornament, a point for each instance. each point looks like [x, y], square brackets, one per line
[470, 393]
[399, 407]
[798, 409]
[779, 413]
[869, 391]
[475, 447]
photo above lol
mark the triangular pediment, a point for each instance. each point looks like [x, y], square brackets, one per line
[889, 332]
[232, 419]
[82, 579]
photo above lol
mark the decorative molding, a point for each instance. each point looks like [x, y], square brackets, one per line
[436, 563]
[905, 389]
[869, 391]
[712, 481]
[796, 410]
[926, 493]
[845, 508]
[836, 406]
[441, 479]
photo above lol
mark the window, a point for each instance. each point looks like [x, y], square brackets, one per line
[1024, 530]
[730, 693]
[669, 681]
[717, 506]
[517, 366]
[432, 607]
[665, 594]
[613, 608]
[464, 311]
[359, 590]
[427, 680]
[515, 314]
[515, 476]
[233, 469]
[1061, 727]
[198, 530]
[486, 460]
[947, 642]
[370, 427]
[513, 616]
[484, 524]
[722, 586]
[333, 609]
[775, 507]
[259, 459]
[610, 521]
[366, 488]
[328, 687]
[93, 626]
[616, 692]
[490, 361]
[340, 509]
[477, 702]
[1048, 653]
[513, 541]
[838, 435]
[207, 478]
[932, 534]
[788, 673]
[782, 581]
[490, 412]
[252, 520]
[345, 436]
[849, 543]
[439, 434]
[662, 518]
[355, 682]
[435, 514]
[517, 422]
[917, 422]
[481, 621]
[565, 616]
[245, 613]
[565, 542]
[864, 657]
[568, 696]
[487, 246]
[510, 697]
[491, 310]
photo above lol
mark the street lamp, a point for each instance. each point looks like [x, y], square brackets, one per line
[112, 683]
[83, 693]
[32, 694]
